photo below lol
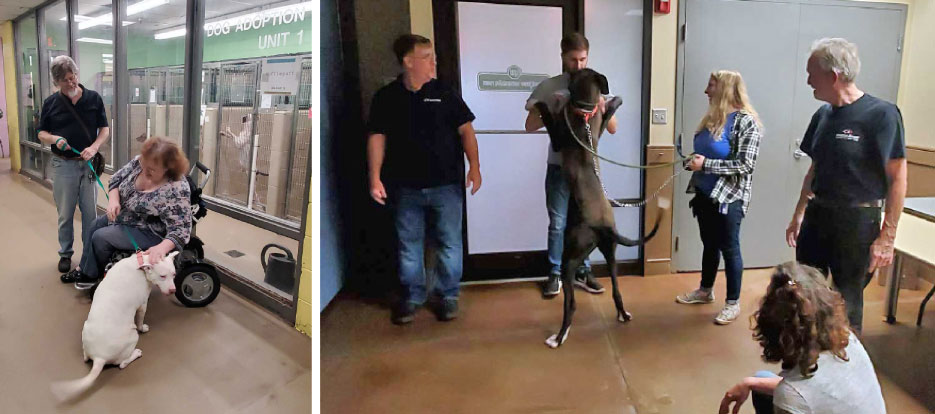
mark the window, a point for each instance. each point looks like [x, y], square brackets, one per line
[55, 42]
[155, 62]
[27, 45]
[255, 125]
[94, 39]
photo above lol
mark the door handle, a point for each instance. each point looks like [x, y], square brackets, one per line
[798, 154]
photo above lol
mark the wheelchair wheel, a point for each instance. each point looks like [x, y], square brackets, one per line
[197, 285]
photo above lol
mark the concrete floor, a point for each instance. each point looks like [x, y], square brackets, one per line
[229, 357]
[670, 359]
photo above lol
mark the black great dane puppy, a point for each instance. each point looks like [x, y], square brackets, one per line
[590, 215]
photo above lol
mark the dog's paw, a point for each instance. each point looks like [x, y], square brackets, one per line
[624, 317]
[144, 328]
[664, 203]
[554, 342]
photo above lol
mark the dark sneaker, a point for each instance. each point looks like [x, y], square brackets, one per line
[585, 280]
[72, 276]
[553, 285]
[448, 310]
[64, 264]
[403, 313]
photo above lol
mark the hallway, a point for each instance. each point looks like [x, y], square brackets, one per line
[229, 357]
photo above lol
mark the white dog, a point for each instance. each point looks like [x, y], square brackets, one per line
[110, 333]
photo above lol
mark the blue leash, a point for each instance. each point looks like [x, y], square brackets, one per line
[98, 177]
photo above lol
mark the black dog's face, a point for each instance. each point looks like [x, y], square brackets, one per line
[586, 87]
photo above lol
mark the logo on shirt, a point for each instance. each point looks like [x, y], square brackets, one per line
[431, 100]
[848, 135]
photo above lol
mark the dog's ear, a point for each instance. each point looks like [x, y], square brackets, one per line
[602, 83]
[173, 254]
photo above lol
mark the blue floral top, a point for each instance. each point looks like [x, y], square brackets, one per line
[166, 211]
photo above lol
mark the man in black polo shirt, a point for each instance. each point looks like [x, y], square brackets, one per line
[858, 156]
[420, 131]
[72, 182]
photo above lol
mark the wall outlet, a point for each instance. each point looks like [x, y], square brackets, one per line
[659, 116]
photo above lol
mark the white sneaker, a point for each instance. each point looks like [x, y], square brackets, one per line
[696, 296]
[728, 314]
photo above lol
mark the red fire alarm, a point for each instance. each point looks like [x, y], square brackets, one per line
[662, 6]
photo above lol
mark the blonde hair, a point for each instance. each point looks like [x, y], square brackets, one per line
[729, 95]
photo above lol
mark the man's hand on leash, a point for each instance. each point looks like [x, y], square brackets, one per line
[89, 152]
[61, 143]
[696, 163]
[473, 177]
[737, 395]
[881, 253]
[377, 192]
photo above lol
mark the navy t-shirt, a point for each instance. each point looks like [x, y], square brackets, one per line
[423, 147]
[850, 147]
[56, 119]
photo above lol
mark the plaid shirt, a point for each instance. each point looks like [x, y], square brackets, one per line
[736, 172]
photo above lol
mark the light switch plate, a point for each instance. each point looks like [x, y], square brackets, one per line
[659, 116]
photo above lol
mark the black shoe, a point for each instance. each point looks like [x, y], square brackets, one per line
[64, 264]
[403, 313]
[447, 310]
[585, 280]
[553, 285]
[73, 275]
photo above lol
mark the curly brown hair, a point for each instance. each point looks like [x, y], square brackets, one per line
[800, 317]
[166, 152]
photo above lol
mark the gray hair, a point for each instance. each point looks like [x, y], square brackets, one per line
[839, 56]
[61, 66]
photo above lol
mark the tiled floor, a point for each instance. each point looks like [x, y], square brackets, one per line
[229, 357]
[670, 359]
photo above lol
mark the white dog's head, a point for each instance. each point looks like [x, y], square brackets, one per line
[162, 274]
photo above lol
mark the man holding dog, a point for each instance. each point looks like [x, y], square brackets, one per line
[420, 131]
[68, 120]
[858, 153]
[575, 49]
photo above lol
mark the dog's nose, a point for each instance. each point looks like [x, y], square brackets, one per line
[171, 291]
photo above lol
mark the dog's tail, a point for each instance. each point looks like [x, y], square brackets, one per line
[663, 206]
[66, 390]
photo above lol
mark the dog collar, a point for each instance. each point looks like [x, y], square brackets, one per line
[143, 261]
[587, 115]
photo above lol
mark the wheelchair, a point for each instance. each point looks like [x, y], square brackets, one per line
[196, 281]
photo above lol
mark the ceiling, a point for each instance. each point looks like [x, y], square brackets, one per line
[11, 9]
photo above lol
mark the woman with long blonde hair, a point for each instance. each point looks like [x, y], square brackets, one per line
[727, 142]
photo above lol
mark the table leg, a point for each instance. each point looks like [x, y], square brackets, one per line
[892, 291]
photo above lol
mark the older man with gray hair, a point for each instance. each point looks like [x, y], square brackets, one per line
[858, 151]
[72, 119]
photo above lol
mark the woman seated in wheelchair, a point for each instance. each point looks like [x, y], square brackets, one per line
[150, 200]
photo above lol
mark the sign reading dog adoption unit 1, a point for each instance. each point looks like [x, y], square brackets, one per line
[281, 75]
[513, 80]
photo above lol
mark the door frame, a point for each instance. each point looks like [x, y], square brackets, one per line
[680, 77]
[534, 264]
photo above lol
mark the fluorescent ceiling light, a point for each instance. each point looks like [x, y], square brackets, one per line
[233, 21]
[106, 55]
[108, 18]
[144, 5]
[94, 40]
[170, 34]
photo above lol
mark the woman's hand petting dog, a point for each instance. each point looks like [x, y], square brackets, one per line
[158, 252]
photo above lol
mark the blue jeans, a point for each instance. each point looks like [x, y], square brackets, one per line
[71, 187]
[557, 195]
[107, 238]
[437, 211]
[720, 234]
[762, 403]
